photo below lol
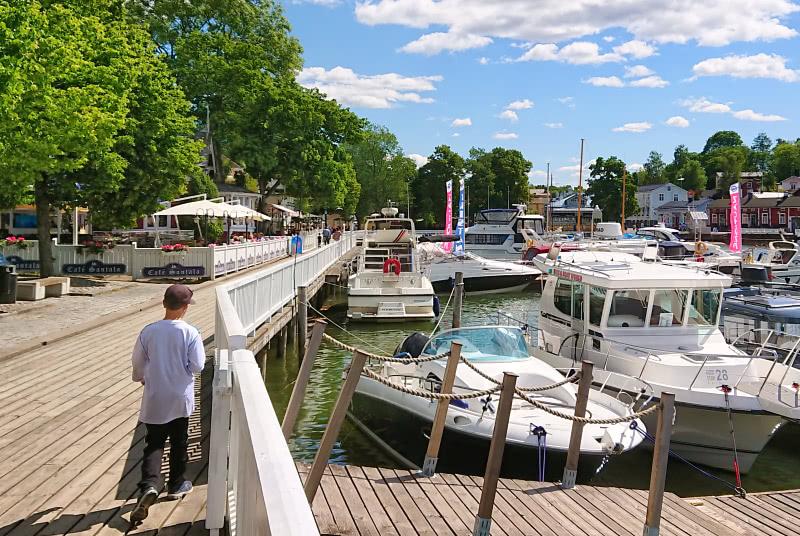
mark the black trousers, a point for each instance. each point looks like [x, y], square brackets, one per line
[178, 433]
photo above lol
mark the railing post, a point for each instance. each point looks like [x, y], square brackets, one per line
[571, 468]
[303, 375]
[457, 299]
[437, 428]
[302, 319]
[658, 473]
[483, 521]
[334, 423]
[220, 435]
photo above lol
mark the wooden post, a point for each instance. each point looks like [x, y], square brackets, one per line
[483, 521]
[303, 375]
[334, 423]
[579, 227]
[624, 174]
[282, 342]
[658, 473]
[437, 428]
[292, 334]
[457, 299]
[302, 320]
[574, 453]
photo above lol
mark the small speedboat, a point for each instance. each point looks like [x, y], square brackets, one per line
[537, 442]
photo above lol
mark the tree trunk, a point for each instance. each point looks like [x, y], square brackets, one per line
[42, 198]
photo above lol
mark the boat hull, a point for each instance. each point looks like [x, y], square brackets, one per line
[382, 307]
[407, 434]
[498, 284]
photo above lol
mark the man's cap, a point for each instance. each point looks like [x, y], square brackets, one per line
[178, 296]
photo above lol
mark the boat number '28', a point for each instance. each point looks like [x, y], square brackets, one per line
[716, 375]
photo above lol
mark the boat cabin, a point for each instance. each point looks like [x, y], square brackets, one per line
[495, 226]
[660, 233]
[389, 238]
[780, 252]
[618, 296]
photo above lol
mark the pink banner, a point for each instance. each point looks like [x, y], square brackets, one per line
[736, 220]
[448, 217]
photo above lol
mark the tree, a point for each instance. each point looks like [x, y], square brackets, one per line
[759, 158]
[694, 177]
[605, 188]
[69, 74]
[680, 156]
[480, 182]
[723, 138]
[654, 168]
[730, 161]
[785, 161]
[429, 186]
[510, 171]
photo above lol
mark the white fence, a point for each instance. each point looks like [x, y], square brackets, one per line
[144, 263]
[251, 475]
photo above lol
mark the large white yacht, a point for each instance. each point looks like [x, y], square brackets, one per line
[659, 323]
[497, 233]
[782, 259]
[388, 284]
[402, 421]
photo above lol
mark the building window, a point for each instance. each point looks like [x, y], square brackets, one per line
[782, 216]
[765, 219]
[792, 185]
[714, 218]
[660, 197]
[674, 197]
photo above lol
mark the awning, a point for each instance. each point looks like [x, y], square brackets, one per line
[205, 208]
[247, 212]
[698, 215]
[289, 211]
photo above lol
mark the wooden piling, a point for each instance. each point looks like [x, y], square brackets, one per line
[282, 335]
[458, 299]
[571, 468]
[334, 423]
[483, 521]
[658, 472]
[303, 375]
[437, 428]
[302, 320]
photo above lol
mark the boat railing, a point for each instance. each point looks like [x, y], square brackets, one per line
[789, 358]
[626, 384]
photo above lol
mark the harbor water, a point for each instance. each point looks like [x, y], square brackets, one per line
[777, 467]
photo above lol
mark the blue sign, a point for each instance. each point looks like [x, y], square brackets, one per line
[93, 267]
[459, 246]
[297, 245]
[22, 264]
[174, 270]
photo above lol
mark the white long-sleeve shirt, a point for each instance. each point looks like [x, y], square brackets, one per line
[167, 355]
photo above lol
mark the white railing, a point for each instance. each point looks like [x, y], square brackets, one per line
[252, 475]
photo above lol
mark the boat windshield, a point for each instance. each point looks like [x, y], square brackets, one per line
[535, 224]
[484, 343]
[387, 224]
[499, 216]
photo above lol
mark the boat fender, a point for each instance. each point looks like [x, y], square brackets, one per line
[436, 309]
[700, 248]
[391, 262]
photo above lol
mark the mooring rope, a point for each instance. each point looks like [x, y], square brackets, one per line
[428, 394]
[584, 420]
[485, 376]
[442, 313]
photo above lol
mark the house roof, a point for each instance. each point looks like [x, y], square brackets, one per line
[745, 174]
[708, 193]
[755, 201]
[673, 205]
[720, 203]
[649, 187]
[791, 201]
[228, 188]
[794, 178]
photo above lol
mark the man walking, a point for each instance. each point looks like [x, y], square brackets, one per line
[167, 355]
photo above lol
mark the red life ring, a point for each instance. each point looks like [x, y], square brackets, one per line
[391, 262]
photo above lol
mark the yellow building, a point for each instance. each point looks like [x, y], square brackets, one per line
[538, 198]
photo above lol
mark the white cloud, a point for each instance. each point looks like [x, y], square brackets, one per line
[677, 121]
[368, 91]
[635, 49]
[605, 81]
[574, 169]
[750, 115]
[757, 66]
[608, 39]
[418, 159]
[710, 23]
[569, 101]
[650, 81]
[520, 105]
[318, 2]
[635, 167]
[537, 173]
[483, 61]
[704, 106]
[461, 122]
[511, 115]
[434, 43]
[636, 71]
[633, 127]
[576, 53]
[456, 134]
[554, 125]
[505, 136]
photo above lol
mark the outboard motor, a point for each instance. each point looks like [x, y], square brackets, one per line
[412, 345]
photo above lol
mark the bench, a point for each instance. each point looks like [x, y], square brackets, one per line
[39, 289]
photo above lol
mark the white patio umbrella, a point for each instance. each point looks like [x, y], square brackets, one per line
[205, 208]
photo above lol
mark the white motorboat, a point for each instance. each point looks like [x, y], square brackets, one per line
[498, 232]
[659, 322]
[388, 284]
[402, 421]
[481, 276]
[673, 247]
[783, 261]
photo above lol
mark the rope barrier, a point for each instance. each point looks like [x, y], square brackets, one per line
[430, 395]
[485, 376]
[442, 313]
[406, 360]
[584, 420]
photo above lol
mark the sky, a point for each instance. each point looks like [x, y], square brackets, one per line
[628, 76]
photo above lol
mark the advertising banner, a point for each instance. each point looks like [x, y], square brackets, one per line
[448, 217]
[459, 246]
[736, 220]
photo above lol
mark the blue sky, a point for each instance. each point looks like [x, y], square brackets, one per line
[629, 76]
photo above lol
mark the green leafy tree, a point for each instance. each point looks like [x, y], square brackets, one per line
[693, 175]
[759, 159]
[69, 74]
[510, 170]
[480, 181]
[723, 138]
[654, 168]
[429, 186]
[729, 161]
[605, 188]
[785, 161]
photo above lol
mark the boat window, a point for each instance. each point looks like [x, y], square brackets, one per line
[577, 301]
[704, 308]
[562, 296]
[496, 217]
[628, 308]
[597, 300]
[485, 343]
[486, 239]
[668, 307]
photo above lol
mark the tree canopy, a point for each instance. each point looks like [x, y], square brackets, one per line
[605, 187]
[429, 185]
[723, 138]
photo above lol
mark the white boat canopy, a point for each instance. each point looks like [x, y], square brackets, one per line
[205, 207]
